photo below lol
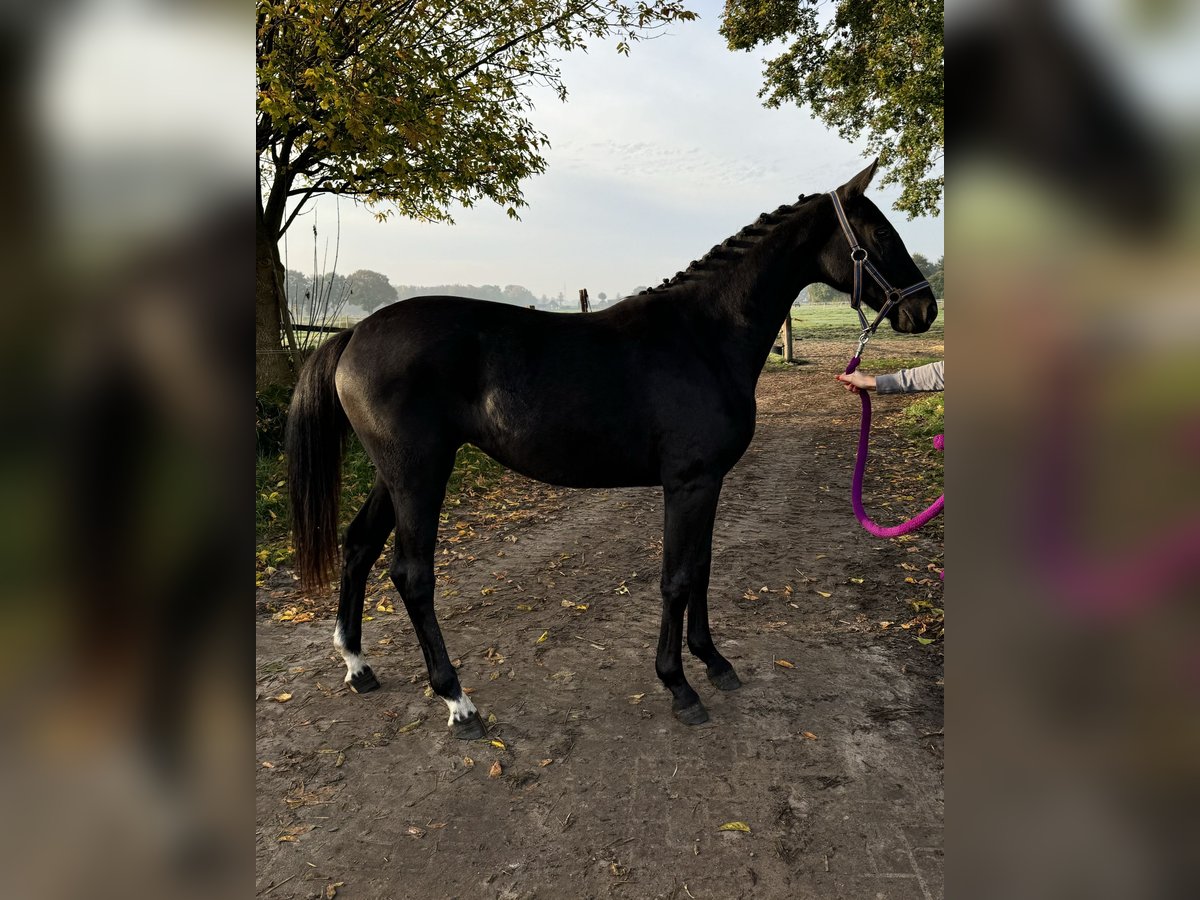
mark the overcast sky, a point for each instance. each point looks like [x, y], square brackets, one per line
[653, 159]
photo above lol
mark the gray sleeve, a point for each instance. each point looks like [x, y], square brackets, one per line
[931, 377]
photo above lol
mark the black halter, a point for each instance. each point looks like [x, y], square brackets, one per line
[859, 255]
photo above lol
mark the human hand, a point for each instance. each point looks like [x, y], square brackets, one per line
[857, 381]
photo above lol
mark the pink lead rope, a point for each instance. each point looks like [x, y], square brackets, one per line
[860, 467]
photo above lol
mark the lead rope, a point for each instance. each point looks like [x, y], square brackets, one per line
[860, 467]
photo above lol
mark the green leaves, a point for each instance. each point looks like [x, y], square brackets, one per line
[873, 69]
[423, 106]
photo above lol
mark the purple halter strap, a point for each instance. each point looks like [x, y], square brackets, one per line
[860, 467]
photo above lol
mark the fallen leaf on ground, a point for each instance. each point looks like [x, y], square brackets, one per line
[385, 606]
[636, 698]
[468, 762]
[809, 735]
[735, 826]
[617, 869]
[524, 607]
[544, 762]
[825, 593]
[282, 698]
[409, 727]
[784, 664]
[884, 624]
[542, 639]
[856, 580]
[496, 770]
[268, 765]
[415, 831]
[498, 744]
[331, 889]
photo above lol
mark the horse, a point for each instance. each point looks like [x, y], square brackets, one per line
[656, 390]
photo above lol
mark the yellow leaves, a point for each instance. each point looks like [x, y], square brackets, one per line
[290, 834]
[542, 639]
[885, 625]
[385, 606]
[622, 589]
[568, 604]
[496, 770]
[749, 595]
[282, 698]
[808, 735]
[825, 594]
[411, 726]
[332, 889]
[468, 762]
[735, 826]
[294, 614]
[487, 591]
[856, 580]
[542, 763]
[784, 664]
[617, 870]
[635, 699]
[497, 743]
[524, 607]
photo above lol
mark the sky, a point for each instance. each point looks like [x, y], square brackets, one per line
[654, 158]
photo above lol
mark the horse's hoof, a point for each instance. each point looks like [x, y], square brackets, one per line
[468, 729]
[364, 682]
[695, 714]
[725, 681]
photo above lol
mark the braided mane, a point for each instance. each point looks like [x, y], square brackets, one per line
[733, 247]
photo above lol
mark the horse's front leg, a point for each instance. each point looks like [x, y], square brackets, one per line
[687, 551]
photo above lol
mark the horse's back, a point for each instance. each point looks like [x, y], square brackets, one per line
[574, 399]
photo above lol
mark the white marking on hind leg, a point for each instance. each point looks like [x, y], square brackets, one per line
[460, 709]
[354, 662]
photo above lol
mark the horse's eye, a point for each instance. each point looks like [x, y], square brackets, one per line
[882, 233]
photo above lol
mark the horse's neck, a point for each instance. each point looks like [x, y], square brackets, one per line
[752, 296]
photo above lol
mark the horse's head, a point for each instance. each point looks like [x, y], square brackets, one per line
[862, 238]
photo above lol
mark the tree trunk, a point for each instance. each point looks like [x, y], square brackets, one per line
[273, 364]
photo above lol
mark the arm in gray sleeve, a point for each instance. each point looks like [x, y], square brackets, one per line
[931, 377]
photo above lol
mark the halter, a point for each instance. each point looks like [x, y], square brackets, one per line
[859, 255]
[862, 261]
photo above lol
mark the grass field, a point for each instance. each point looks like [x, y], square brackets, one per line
[838, 320]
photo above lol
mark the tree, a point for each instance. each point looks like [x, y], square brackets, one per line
[412, 106]
[370, 290]
[874, 68]
[937, 278]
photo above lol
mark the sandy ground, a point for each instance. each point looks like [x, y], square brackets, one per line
[831, 753]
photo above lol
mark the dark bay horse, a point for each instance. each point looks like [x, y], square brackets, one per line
[655, 390]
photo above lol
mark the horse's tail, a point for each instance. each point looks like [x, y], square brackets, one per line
[315, 440]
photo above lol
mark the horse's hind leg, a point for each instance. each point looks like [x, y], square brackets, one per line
[687, 552]
[363, 543]
[418, 501]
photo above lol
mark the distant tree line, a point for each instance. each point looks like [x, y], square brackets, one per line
[322, 297]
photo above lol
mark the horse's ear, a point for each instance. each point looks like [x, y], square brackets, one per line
[857, 186]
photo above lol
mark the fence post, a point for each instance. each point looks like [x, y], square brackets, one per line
[788, 354]
[584, 306]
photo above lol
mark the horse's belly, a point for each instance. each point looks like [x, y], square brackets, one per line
[578, 448]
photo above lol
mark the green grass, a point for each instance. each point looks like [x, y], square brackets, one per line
[838, 320]
[926, 417]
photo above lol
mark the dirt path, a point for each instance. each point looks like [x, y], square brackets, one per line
[834, 762]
